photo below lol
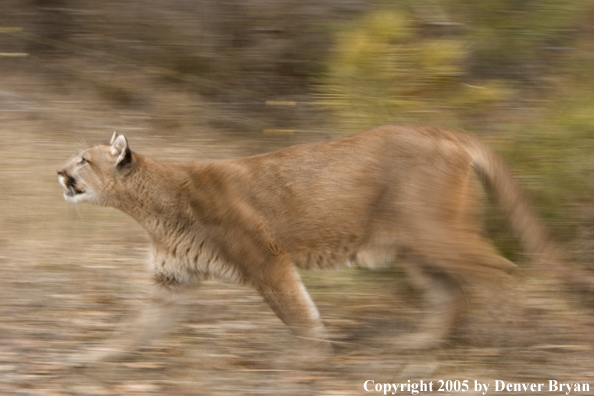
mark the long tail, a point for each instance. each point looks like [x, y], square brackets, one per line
[517, 208]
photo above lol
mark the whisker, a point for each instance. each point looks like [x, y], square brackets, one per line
[78, 212]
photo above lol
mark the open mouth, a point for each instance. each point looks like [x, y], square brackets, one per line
[73, 191]
[69, 184]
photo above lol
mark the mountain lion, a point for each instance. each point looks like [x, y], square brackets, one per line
[368, 199]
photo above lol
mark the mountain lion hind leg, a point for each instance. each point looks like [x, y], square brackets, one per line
[440, 274]
[443, 302]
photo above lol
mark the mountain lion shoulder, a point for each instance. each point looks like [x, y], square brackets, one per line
[391, 193]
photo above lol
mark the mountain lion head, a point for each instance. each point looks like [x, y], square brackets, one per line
[95, 173]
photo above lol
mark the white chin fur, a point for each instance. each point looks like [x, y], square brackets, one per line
[74, 199]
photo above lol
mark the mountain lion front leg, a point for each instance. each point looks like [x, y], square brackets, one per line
[281, 287]
[155, 319]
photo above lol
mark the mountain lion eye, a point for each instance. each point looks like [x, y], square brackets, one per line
[83, 161]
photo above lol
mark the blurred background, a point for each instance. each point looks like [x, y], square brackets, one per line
[201, 79]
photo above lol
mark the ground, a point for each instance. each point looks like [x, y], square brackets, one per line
[73, 276]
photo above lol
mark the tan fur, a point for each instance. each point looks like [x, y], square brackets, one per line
[388, 193]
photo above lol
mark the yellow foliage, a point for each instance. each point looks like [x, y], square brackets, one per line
[382, 70]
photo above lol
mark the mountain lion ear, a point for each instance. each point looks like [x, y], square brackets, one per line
[119, 147]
